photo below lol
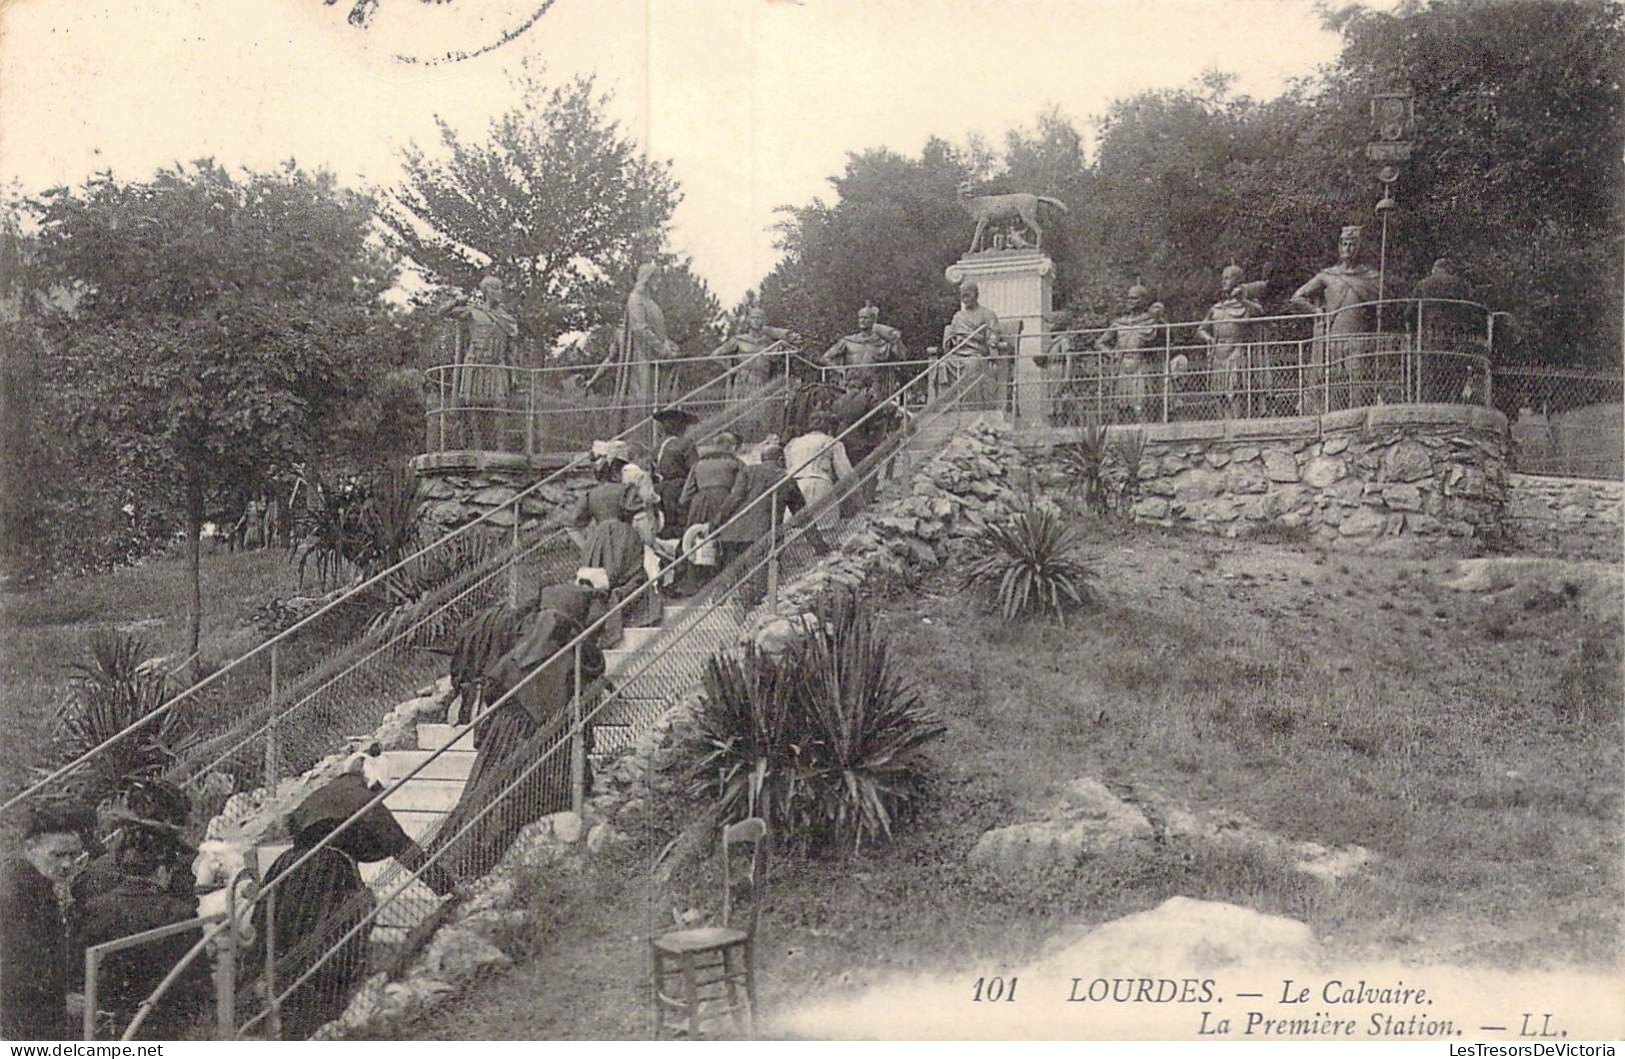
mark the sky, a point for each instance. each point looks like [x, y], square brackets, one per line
[755, 102]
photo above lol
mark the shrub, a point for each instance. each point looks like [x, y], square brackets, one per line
[824, 742]
[1130, 446]
[116, 688]
[1085, 463]
[1033, 561]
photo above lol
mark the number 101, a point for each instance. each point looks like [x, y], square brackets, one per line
[992, 989]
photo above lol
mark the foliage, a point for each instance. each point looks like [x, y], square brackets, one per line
[557, 201]
[1033, 562]
[824, 742]
[203, 332]
[1085, 463]
[1515, 175]
[391, 515]
[420, 600]
[1129, 447]
[116, 688]
[328, 528]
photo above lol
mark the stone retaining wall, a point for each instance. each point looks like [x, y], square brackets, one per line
[1577, 518]
[462, 486]
[1396, 477]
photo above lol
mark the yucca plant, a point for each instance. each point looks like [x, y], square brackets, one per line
[822, 742]
[422, 597]
[1130, 446]
[1085, 463]
[744, 743]
[1033, 561]
[867, 724]
[326, 530]
[390, 514]
[107, 694]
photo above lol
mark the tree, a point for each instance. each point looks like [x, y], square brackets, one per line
[220, 325]
[556, 201]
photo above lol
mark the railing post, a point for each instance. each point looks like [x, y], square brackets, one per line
[773, 554]
[93, 963]
[530, 415]
[271, 726]
[440, 412]
[513, 559]
[578, 743]
[225, 983]
[274, 1017]
[1167, 366]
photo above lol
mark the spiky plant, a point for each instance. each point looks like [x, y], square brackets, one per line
[1085, 463]
[822, 742]
[113, 690]
[428, 598]
[390, 514]
[1033, 561]
[1130, 447]
[867, 725]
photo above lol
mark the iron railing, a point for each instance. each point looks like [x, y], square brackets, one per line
[281, 705]
[548, 771]
[536, 411]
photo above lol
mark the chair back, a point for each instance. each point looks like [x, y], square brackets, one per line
[751, 830]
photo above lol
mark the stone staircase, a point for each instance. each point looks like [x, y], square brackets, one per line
[422, 802]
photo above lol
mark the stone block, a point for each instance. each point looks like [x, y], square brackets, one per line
[1280, 465]
[1322, 471]
[1198, 483]
[1332, 446]
[1218, 458]
[1402, 497]
[1366, 522]
[1406, 461]
[1247, 478]
[1151, 507]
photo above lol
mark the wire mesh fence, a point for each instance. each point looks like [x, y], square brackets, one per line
[333, 673]
[324, 929]
[1564, 421]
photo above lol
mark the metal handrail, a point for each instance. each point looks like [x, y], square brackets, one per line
[573, 647]
[577, 461]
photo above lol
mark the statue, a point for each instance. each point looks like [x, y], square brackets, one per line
[1140, 329]
[1225, 331]
[643, 342]
[989, 209]
[1444, 326]
[1344, 333]
[483, 356]
[756, 337]
[970, 338]
[866, 352]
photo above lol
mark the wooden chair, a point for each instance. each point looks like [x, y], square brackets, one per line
[698, 974]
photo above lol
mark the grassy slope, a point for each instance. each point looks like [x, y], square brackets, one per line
[1330, 699]
[44, 629]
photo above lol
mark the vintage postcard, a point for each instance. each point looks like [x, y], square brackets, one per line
[807, 520]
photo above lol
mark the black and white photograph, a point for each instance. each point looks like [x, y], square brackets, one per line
[794, 520]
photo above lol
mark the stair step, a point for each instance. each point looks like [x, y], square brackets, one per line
[633, 638]
[423, 795]
[451, 765]
[435, 736]
[383, 935]
[418, 825]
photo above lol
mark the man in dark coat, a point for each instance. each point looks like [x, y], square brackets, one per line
[36, 960]
[757, 519]
[675, 455]
[137, 899]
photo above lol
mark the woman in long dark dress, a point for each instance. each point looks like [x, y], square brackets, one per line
[509, 738]
[611, 543]
[325, 898]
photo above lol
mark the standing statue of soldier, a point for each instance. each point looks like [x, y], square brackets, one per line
[1345, 343]
[755, 337]
[483, 356]
[1134, 335]
[1225, 331]
[867, 352]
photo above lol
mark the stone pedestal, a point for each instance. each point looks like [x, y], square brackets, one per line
[1018, 285]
